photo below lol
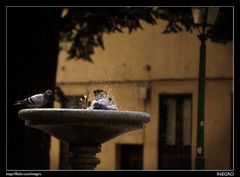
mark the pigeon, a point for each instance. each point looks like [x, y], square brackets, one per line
[36, 101]
[102, 101]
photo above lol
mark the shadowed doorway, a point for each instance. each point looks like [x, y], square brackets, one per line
[174, 150]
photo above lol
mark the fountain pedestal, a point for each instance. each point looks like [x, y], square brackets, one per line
[84, 156]
[83, 130]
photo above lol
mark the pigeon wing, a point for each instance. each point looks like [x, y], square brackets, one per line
[36, 100]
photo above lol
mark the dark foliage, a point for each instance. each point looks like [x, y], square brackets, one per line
[222, 31]
[178, 18]
[84, 27]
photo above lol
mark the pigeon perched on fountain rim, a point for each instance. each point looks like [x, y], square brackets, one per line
[36, 101]
[102, 101]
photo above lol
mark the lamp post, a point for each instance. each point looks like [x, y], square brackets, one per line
[204, 17]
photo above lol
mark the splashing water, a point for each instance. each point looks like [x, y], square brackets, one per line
[102, 101]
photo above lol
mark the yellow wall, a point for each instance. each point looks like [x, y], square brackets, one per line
[217, 124]
[54, 153]
[170, 56]
[217, 119]
[174, 59]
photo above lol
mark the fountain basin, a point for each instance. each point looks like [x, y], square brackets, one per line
[83, 126]
[83, 130]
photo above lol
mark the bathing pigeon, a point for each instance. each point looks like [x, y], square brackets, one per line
[102, 101]
[36, 101]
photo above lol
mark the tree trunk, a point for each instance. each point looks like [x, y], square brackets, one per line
[32, 53]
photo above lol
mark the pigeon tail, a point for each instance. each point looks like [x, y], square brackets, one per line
[20, 102]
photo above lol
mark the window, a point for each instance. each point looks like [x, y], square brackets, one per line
[129, 157]
[175, 131]
[76, 102]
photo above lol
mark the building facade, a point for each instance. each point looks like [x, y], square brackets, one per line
[157, 73]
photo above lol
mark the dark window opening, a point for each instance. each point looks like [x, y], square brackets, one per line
[129, 157]
[76, 102]
[174, 147]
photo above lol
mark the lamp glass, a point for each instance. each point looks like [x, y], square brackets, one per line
[199, 14]
[212, 15]
[205, 15]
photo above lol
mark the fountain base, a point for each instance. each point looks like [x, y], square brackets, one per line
[83, 156]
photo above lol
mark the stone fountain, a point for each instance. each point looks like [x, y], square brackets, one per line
[83, 130]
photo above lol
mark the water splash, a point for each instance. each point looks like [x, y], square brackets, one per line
[103, 101]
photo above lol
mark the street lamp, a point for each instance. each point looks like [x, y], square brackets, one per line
[204, 17]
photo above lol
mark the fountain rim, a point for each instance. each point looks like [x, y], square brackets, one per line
[56, 116]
